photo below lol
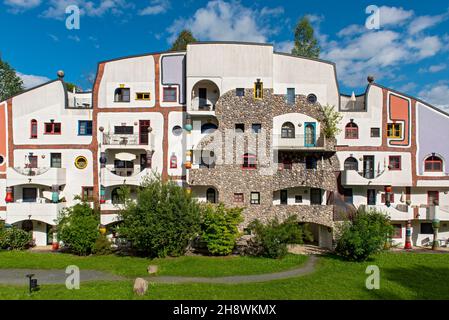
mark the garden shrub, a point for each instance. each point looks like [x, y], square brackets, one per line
[273, 237]
[102, 246]
[15, 239]
[161, 221]
[220, 228]
[364, 236]
[77, 228]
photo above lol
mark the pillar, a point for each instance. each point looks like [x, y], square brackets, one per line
[408, 235]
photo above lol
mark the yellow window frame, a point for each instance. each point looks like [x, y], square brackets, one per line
[394, 130]
[148, 94]
[255, 90]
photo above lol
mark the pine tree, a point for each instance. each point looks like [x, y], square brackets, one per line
[306, 45]
[10, 82]
[184, 38]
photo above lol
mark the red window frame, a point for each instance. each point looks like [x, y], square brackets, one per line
[249, 162]
[168, 89]
[33, 133]
[432, 161]
[399, 162]
[432, 195]
[239, 198]
[53, 125]
[397, 227]
[351, 131]
[89, 199]
[173, 162]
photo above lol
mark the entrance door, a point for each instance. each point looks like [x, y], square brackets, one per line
[29, 194]
[368, 167]
[310, 134]
[143, 131]
[202, 95]
[284, 196]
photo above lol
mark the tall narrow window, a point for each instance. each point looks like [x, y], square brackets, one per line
[258, 89]
[211, 195]
[433, 164]
[315, 196]
[33, 129]
[85, 127]
[55, 160]
[249, 161]
[122, 95]
[351, 131]
[291, 96]
[255, 197]
[52, 128]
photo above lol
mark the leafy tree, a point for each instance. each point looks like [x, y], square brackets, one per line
[10, 82]
[184, 38]
[274, 236]
[331, 120]
[306, 45]
[162, 220]
[78, 228]
[220, 228]
[15, 239]
[70, 86]
[364, 236]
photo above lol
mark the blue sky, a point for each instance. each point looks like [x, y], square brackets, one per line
[409, 52]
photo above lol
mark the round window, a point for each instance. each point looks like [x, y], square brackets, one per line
[81, 162]
[2, 159]
[311, 98]
[177, 130]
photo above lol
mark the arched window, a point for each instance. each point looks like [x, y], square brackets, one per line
[288, 130]
[433, 164]
[208, 128]
[351, 164]
[249, 161]
[351, 131]
[33, 129]
[211, 195]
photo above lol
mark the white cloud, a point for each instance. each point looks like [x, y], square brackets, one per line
[30, 80]
[156, 7]
[351, 30]
[17, 6]
[56, 8]
[391, 16]
[437, 95]
[74, 38]
[221, 21]
[433, 68]
[424, 22]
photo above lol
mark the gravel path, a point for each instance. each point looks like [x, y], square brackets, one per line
[18, 276]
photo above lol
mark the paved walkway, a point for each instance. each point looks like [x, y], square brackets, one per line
[18, 276]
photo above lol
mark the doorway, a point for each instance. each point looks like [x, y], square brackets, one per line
[368, 167]
[310, 134]
[143, 131]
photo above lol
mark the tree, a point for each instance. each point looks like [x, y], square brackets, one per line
[10, 82]
[365, 235]
[70, 86]
[220, 228]
[161, 221]
[306, 45]
[184, 38]
[331, 121]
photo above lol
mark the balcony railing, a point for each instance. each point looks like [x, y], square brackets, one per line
[299, 141]
[203, 104]
[82, 103]
[122, 140]
[44, 176]
[31, 172]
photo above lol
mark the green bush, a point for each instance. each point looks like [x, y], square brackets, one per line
[161, 221]
[364, 236]
[274, 237]
[102, 246]
[77, 228]
[15, 239]
[220, 228]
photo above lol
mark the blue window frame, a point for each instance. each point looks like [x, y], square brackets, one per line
[85, 127]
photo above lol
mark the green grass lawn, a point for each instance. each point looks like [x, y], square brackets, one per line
[198, 266]
[403, 276]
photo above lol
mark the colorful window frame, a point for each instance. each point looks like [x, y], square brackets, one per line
[395, 163]
[85, 127]
[394, 130]
[87, 194]
[433, 164]
[170, 94]
[239, 198]
[258, 90]
[145, 96]
[33, 129]
[249, 162]
[52, 128]
[351, 131]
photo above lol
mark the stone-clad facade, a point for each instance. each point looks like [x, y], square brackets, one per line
[229, 179]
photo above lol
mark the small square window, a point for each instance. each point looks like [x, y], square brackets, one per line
[239, 128]
[143, 96]
[52, 128]
[55, 160]
[256, 127]
[395, 163]
[238, 197]
[87, 194]
[85, 127]
[255, 197]
[122, 95]
[426, 228]
[240, 92]
[375, 132]
[170, 95]
[298, 199]
[394, 130]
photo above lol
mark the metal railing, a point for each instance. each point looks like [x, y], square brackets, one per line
[299, 141]
[371, 174]
[31, 171]
[122, 139]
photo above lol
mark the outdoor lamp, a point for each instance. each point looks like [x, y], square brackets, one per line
[33, 286]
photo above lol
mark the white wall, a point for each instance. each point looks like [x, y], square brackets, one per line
[176, 144]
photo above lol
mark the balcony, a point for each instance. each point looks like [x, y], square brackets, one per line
[371, 178]
[111, 178]
[127, 141]
[205, 95]
[41, 176]
[301, 142]
[40, 211]
[425, 212]
[398, 212]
